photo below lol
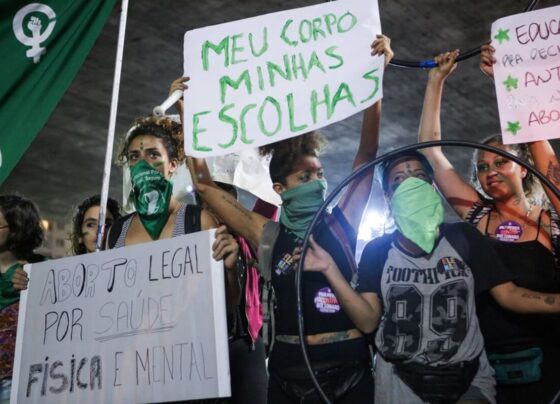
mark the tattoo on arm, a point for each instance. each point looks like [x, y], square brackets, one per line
[553, 173]
[336, 337]
[547, 299]
[236, 206]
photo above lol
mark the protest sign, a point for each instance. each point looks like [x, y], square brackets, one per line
[139, 324]
[527, 75]
[264, 79]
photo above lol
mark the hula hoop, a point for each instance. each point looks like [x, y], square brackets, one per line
[429, 63]
[356, 174]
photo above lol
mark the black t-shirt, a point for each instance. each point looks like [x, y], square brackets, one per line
[322, 312]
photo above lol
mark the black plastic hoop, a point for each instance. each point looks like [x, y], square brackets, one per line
[429, 63]
[357, 173]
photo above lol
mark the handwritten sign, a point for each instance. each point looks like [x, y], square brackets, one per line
[139, 324]
[264, 79]
[527, 75]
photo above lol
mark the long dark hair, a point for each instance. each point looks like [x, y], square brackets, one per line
[113, 206]
[26, 232]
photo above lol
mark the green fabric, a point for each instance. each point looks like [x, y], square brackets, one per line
[417, 210]
[151, 193]
[8, 295]
[33, 82]
[299, 205]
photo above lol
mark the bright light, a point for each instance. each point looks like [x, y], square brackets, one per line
[45, 223]
[373, 225]
[189, 189]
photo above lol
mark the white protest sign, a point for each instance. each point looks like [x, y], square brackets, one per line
[139, 324]
[264, 79]
[527, 75]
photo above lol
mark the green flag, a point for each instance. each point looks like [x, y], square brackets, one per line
[43, 46]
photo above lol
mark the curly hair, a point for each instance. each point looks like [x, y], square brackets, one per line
[24, 222]
[113, 206]
[286, 153]
[164, 128]
[531, 186]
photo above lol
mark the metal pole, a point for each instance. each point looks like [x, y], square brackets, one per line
[111, 129]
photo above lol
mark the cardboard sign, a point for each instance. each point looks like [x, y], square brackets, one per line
[139, 324]
[527, 75]
[264, 79]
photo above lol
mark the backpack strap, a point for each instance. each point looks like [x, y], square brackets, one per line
[115, 230]
[267, 242]
[192, 219]
[269, 236]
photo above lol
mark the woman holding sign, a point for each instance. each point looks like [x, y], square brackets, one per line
[523, 349]
[338, 350]
[153, 151]
[20, 234]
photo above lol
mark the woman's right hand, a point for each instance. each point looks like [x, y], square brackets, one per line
[446, 64]
[179, 84]
[487, 60]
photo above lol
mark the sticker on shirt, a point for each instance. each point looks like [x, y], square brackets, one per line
[509, 231]
[326, 302]
[453, 264]
[285, 265]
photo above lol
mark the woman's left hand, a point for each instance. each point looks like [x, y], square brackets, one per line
[317, 259]
[225, 247]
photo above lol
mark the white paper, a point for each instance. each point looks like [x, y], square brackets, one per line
[329, 74]
[527, 75]
[139, 324]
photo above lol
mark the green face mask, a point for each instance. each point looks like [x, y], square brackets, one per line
[151, 193]
[417, 210]
[300, 204]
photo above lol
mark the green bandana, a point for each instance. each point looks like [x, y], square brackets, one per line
[151, 193]
[417, 210]
[300, 204]
[8, 295]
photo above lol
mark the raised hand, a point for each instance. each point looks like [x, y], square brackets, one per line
[179, 84]
[446, 64]
[382, 46]
[487, 60]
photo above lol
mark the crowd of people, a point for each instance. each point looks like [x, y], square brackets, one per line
[453, 312]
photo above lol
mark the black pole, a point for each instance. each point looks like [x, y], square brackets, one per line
[429, 63]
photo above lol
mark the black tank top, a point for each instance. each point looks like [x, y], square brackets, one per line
[322, 313]
[533, 267]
